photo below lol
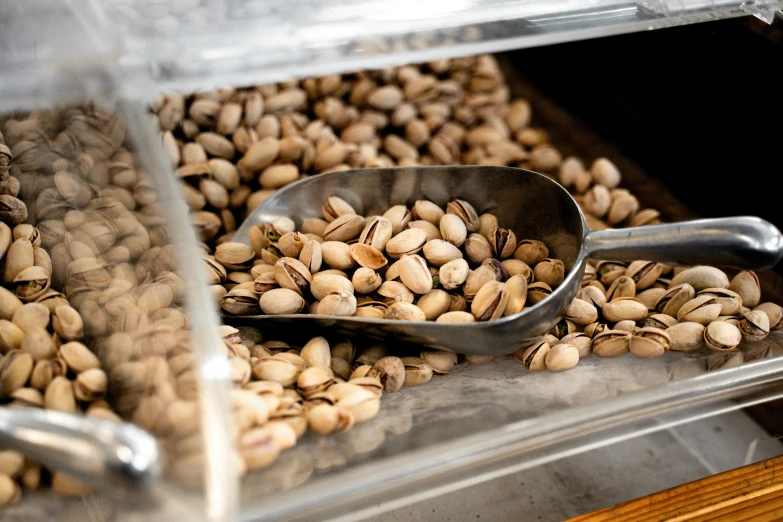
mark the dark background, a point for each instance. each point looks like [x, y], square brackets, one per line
[699, 107]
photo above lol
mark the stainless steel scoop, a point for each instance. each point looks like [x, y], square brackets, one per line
[534, 207]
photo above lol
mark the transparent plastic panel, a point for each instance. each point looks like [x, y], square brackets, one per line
[193, 44]
[103, 318]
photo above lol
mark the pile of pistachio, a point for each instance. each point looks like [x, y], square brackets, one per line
[648, 308]
[378, 266]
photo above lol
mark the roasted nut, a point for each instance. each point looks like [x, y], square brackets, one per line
[417, 371]
[531, 251]
[746, 285]
[611, 343]
[625, 308]
[324, 284]
[453, 229]
[580, 312]
[686, 336]
[338, 303]
[344, 228]
[702, 309]
[621, 287]
[490, 301]
[439, 252]
[377, 232]
[408, 241]
[414, 274]
[701, 277]
[644, 273]
[453, 274]
[730, 302]
[562, 357]
[477, 249]
[774, 314]
[365, 280]
[550, 271]
[722, 336]
[404, 311]
[434, 304]
[440, 362]
[754, 325]
[676, 296]
[534, 357]
[316, 353]
[465, 211]
[280, 301]
[649, 342]
[503, 242]
[292, 274]
[537, 292]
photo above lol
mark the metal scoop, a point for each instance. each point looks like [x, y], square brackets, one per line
[534, 207]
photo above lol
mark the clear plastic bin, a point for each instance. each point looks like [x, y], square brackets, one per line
[472, 425]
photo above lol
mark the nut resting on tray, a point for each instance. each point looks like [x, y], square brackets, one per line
[379, 266]
[91, 317]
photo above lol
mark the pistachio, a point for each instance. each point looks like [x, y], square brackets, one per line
[427, 211]
[280, 301]
[592, 295]
[414, 274]
[490, 301]
[702, 309]
[722, 336]
[516, 267]
[537, 292]
[581, 342]
[366, 280]
[78, 357]
[457, 303]
[746, 285]
[701, 277]
[754, 325]
[456, 317]
[338, 303]
[605, 173]
[90, 385]
[11, 463]
[730, 302]
[550, 271]
[453, 229]
[661, 321]
[337, 255]
[60, 396]
[517, 294]
[344, 228]
[593, 329]
[465, 211]
[581, 312]
[363, 404]
[240, 301]
[291, 244]
[534, 357]
[644, 273]
[476, 279]
[9, 304]
[686, 336]
[503, 242]
[20, 256]
[399, 216]
[67, 323]
[625, 308]
[621, 287]
[326, 419]
[608, 271]
[440, 362]
[316, 353]
[324, 284]
[393, 292]
[314, 380]
[11, 336]
[311, 256]
[377, 232]
[477, 249]
[391, 372]
[264, 283]
[336, 207]
[626, 326]
[293, 275]
[774, 314]
[368, 257]
[277, 370]
[341, 368]
[417, 371]
[531, 251]
[257, 447]
[234, 256]
[404, 311]
[408, 241]
[676, 296]
[611, 343]
[561, 357]
[38, 343]
[453, 274]
[15, 371]
[650, 342]
[434, 304]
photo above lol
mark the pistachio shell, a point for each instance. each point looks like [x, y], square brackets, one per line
[477, 249]
[403, 311]
[537, 292]
[644, 273]
[453, 274]
[453, 229]
[490, 301]
[650, 342]
[562, 357]
[534, 357]
[399, 216]
[408, 241]
[722, 336]
[434, 304]
[415, 275]
[503, 242]
[580, 341]
[365, 280]
[281, 301]
[676, 296]
[755, 325]
[292, 274]
[394, 291]
[611, 343]
[465, 211]
[550, 271]
[701, 277]
[337, 255]
[377, 232]
[316, 352]
[324, 284]
[774, 314]
[625, 308]
[702, 309]
[456, 317]
[686, 336]
[336, 207]
[581, 312]
[730, 301]
[338, 303]
[368, 256]
[531, 251]
[746, 285]
[344, 228]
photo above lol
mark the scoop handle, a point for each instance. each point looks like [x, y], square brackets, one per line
[742, 242]
[100, 452]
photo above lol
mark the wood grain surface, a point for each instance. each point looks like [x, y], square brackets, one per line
[752, 492]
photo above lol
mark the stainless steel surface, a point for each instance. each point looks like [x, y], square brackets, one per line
[101, 452]
[532, 205]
